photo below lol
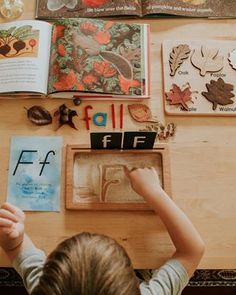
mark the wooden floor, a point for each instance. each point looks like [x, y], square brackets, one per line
[202, 156]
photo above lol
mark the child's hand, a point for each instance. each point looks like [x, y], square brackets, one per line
[144, 180]
[11, 226]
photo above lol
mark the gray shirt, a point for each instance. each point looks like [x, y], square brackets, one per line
[170, 279]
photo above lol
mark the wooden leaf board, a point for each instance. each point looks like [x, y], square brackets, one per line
[95, 179]
[207, 61]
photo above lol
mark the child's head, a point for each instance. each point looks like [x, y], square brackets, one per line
[88, 264]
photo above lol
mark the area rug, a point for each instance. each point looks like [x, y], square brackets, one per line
[204, 282]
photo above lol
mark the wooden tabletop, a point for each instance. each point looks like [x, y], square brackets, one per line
[202, 156]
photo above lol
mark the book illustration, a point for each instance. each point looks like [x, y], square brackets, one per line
[195, 2]
[177, 57]
[96, 56]
[87, 8]
[207, 60]
[34, 173]
[54, 5]
[232, 59]
[210, 72]
[219, 92]
[98, 8]
[19, 41]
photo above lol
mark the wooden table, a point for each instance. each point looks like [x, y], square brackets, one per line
[203, 166]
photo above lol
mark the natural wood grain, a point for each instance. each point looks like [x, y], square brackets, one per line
[202, 155]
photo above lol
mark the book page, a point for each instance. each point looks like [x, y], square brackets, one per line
[86, 8]
[24, 56]
[92, 55]
[194, 8]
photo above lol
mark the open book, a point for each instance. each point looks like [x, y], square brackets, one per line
[74, 57]
[98, 8]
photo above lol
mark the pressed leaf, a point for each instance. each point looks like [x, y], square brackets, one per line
[140, 112]
[66, 116]
[219, 92]
[39, 115]
[207, 60]
[177, 57]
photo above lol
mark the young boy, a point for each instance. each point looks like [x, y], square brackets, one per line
[91, 264]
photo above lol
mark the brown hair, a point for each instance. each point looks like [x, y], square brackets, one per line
[88, 264]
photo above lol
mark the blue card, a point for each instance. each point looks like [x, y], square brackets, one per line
[35, 173]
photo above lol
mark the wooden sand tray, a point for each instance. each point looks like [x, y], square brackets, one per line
[95, 179]
[199, 77]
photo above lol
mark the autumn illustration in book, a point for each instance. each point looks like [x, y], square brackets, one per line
[194, 2]
[96, 56]
[19, 42]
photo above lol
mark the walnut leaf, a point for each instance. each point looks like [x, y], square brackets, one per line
[219, 92]
[177, 57]
[207, 60]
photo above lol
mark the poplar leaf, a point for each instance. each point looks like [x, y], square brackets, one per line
[177, 57]
[207, 60]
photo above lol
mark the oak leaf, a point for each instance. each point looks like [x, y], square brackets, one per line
[207, 60]
[177, 57]
[219, 92]
[177, 96]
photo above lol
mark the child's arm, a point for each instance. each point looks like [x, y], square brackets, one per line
[25, 257]
[12, 237]
[188, 243]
